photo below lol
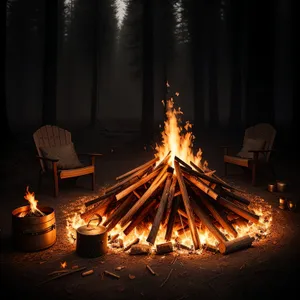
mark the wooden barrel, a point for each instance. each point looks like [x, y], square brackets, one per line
[33, 233]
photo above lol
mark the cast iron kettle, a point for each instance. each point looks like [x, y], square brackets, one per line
[91, 240]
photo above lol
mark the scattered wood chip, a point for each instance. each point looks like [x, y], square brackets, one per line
[86, 273]
[75, 267]
[131, 276]
[120, 268]
[150, 270]
[58, 272]
[113, 275]
[167, 278]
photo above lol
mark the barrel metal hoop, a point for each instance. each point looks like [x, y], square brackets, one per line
[46, 230]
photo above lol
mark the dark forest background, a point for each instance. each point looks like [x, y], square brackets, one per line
[69, 63]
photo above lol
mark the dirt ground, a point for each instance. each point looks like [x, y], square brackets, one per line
[269, 268]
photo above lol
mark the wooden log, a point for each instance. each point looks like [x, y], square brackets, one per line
[207, 222]
[169, 200]
[172, 217]
[164, 161]
[235, 196]
[140, 215]
[155, 184]
[139, 168]
[212, 178]
[238, 210]
[98, 209]
[159, 214]
[135, 241]
[217, 215]
[143, 180]
[140, 249]
[164, 248]
[236, 244]
[119, 213]
[184, 214]
[201, 185]
[100, 198]
[210, 248]
[187, 205]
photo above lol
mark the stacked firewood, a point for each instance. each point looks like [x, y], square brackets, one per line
[183, 198]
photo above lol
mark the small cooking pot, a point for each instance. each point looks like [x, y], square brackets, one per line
[91, 240]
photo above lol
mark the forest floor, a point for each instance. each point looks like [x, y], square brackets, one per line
[267, 269]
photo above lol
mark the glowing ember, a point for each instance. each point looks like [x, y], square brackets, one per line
[177, 141]
[32, 202]
[63, 264]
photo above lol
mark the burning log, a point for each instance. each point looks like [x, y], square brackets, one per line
[164, 248]
[139, 168]
[155, 184]
[159, 214]
[142, 181]
[98, 209]
[139, 249]
[170, 199]
[113, 219]
[136, 241]
[188, 208]
[171, 219]
[217, 215]
[236, 244]
[235, 196]
[207, 222]
[238, 210]
[140, 216]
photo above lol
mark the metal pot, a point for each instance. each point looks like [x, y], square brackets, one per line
[91, 240]
[281, 186]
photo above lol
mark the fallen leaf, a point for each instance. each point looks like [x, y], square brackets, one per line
[131, 276]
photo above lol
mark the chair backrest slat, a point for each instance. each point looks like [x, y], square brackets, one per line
[263, 131]
[50, 136]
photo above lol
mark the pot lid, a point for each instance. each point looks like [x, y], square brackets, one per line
[91, 230]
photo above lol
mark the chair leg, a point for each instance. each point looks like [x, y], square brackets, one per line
[93, 181]
[225, 169]
[55, 179]
[254, 174]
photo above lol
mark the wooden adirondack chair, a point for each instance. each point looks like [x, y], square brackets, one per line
[57, 156]
[256, 150]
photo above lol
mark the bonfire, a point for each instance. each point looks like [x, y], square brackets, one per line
[175, 202]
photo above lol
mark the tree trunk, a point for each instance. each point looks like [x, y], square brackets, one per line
[6, 132]
[95, 87]
[147, 123]
[50, 61]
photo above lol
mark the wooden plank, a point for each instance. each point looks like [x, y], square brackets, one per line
[187, 205]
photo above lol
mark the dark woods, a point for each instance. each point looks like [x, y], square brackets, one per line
[71, 63]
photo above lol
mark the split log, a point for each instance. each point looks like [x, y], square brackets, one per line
[133, 187]
[188, 208]
[164, 161]
[114, 219]
[139, 249]
[235, 196]
[211, 248]
[159, 214]
[164, 248]
[98, 209]
[212, 178]
[201, 185]
[184, 214]
[140, 216]
[172, 217]
[139, 168]
[134, 242]
[236, 244]
[207, 222]
[238, 210]
[217, 215]
[170, 199]
[102, 197]
[155, 184]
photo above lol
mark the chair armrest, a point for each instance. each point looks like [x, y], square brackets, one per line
[261, 151]
[91, 154]
[48, 159]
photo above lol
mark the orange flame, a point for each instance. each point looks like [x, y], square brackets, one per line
[63, 264]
